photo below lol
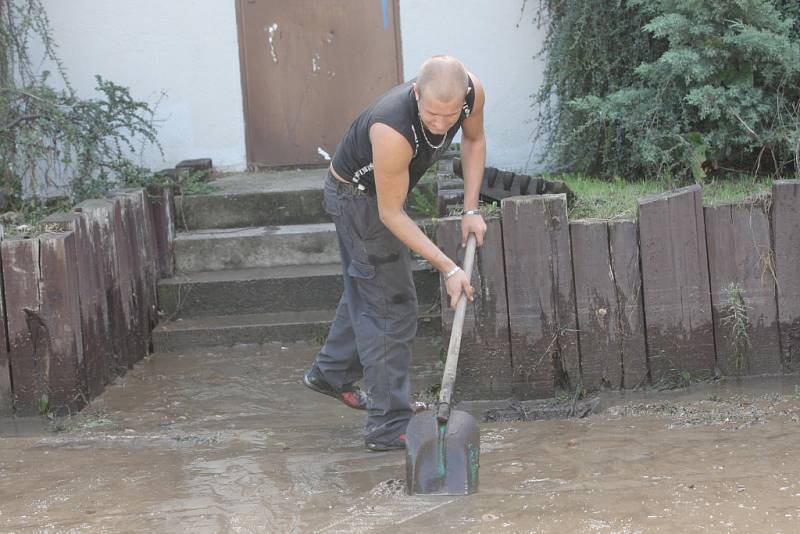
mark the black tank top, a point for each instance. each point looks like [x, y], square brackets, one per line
[397, 108]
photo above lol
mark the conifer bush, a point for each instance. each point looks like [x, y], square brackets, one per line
[685, 88]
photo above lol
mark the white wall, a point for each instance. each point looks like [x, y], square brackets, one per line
[186, 48]
[497, 41]
[189, 49]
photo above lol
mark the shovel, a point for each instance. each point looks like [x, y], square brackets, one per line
[443, 448]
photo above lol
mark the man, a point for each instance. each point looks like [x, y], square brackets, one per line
[384, 153]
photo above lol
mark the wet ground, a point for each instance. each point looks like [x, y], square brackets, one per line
[229, 441]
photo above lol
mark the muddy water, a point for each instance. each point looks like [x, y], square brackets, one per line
[228, 441]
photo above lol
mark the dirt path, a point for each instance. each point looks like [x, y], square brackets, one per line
[229, 441]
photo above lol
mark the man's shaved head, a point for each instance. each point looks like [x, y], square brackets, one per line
[442, 78]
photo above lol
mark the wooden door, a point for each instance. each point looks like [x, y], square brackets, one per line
[308, 68]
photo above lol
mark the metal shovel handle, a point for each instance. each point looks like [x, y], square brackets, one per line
[451, 365]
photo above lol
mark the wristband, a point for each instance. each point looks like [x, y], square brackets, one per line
[471, 212]
[452, 272]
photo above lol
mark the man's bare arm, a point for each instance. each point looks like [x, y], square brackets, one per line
[473, 160]
[392, 154]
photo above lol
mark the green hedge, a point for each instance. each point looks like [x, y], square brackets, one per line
[685, 88]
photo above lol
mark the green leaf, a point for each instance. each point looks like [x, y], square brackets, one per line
[44, 403]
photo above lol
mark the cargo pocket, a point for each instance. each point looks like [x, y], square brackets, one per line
[369, 289]
[330, 200]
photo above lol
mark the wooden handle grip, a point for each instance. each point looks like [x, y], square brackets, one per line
[451, 365]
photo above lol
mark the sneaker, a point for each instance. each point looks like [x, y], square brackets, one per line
[352, 396]
[381, 446]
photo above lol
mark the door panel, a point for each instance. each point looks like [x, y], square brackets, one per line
[308, 68]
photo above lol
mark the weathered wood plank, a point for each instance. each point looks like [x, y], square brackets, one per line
[6, 395]
[98, 244]
[137, 258]
[92, 297]
[624, 250]
[60, 314]
[786, 245]
[150, 241]
[484, 364]
[105, 216]
[677, 298]
[132, 270]
[596, 300]
[21, 276]
[541, 299]
[135, 229]
[739, 253]
[163, 208]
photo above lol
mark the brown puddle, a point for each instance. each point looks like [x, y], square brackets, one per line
[228, 440]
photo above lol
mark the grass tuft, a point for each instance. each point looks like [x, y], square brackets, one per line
[618, 198]
[734, 317]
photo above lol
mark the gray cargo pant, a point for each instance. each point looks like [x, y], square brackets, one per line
[376, 320]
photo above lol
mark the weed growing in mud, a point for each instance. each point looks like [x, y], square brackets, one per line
[734, 318]
[564, 397]
[685, 379]
[682, 380]
[797, 393]
[94, 416]
[44, 403]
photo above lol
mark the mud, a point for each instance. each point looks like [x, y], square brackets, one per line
[229, 441]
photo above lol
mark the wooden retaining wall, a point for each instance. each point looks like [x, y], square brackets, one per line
[609, 303]
[683, 292]
[80, 300]
[677, 298]
[786, 252]
[541, 298]
[740, 272]
[484, 365]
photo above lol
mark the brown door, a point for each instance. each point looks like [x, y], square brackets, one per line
[308, 68]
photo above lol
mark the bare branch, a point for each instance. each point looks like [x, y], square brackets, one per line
[749, 130]
[21, 93]
[21, 119]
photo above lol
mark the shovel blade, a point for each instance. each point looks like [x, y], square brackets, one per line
[442, 459]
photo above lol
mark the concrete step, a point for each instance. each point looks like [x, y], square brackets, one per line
[226, 330]
[265, 290]
[246, 248]
[255, 199]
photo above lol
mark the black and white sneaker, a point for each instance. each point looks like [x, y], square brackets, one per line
[352, 396]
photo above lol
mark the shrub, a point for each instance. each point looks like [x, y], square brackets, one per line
[49, 135]
[675, 87]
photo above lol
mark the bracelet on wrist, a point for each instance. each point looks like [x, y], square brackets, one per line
[471, 212]
[453, 271]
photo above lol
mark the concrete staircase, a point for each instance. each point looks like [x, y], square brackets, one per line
[258, 261]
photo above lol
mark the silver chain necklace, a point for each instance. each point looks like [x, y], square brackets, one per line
[425, 136]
